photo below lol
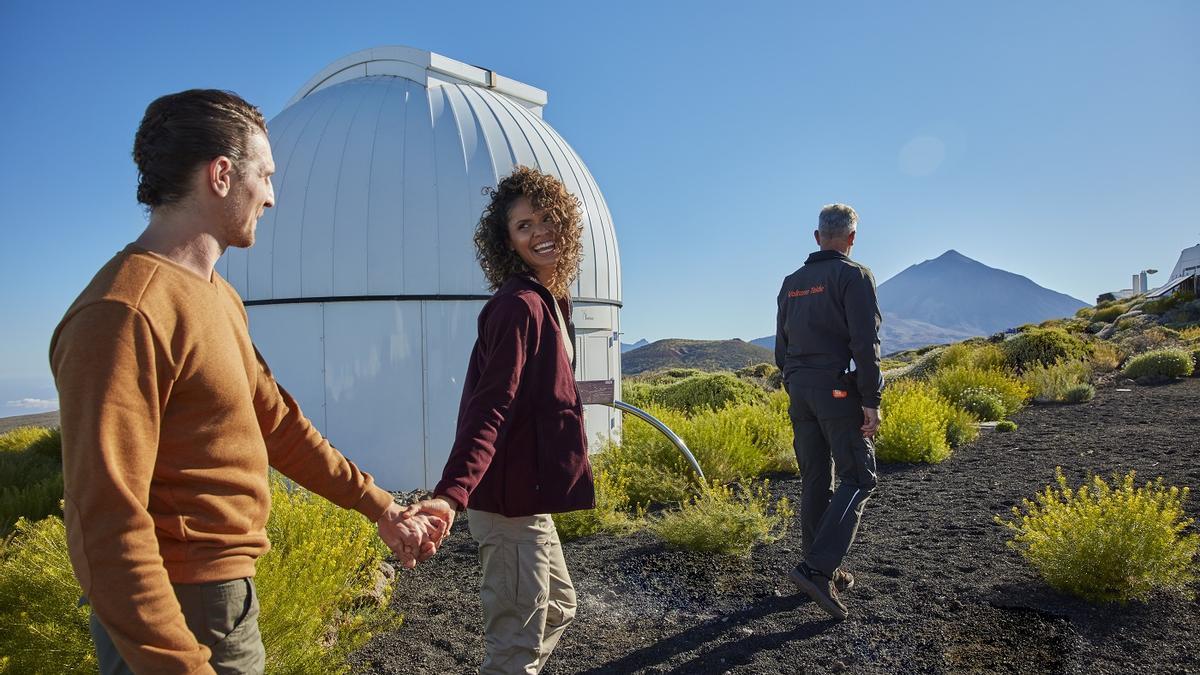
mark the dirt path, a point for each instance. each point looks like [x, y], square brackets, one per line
[937, 591]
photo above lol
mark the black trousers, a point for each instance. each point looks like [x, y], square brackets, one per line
[828, 442]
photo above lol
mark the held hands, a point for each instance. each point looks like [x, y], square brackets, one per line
[436, 508]
[412, 538]
[871, 419]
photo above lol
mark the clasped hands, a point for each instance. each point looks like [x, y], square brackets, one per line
[415, 532]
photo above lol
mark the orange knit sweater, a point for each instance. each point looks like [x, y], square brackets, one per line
[170, 418]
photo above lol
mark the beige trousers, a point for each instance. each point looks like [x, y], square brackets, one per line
[527, 596]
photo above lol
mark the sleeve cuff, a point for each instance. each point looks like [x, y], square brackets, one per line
[374, 503]
[453, 493]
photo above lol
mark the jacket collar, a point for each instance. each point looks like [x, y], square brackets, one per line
[820, 256]
[527, 280]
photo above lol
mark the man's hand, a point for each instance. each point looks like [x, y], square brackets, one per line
[871, 419]
[439, 508]
[412, 539]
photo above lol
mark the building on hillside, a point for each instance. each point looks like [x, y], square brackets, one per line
[363, 289]
[1184, 276]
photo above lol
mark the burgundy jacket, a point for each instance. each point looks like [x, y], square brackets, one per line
[520, 448]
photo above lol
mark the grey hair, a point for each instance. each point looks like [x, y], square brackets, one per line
[837, 221]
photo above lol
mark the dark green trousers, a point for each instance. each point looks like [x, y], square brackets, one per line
[223, 615]
[828, 443]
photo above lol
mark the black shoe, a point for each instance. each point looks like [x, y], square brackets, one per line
[842, 580]
[820, 588]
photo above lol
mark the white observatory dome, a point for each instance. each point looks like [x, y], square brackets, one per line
[363, 288]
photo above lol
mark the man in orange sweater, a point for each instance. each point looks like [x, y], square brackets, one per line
[170, 416]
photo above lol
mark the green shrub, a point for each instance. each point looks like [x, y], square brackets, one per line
[30, 475]
[1105, 357]
[1050, 383]
[1160, 363]
[1085, 312]
[983, 403]
[984, 356]
[921, 368]
[1107, 314]
[610, 515]
[1006, 426]
[760, 370]
[1042, 345]
[914, 426]
[732, 443]
[1160, 305]
[314, 584]
[705, 390]
[672, 374]
[959, 383]
[961, 428]
[1080, 393]
[720, 520]
[34, 501]
[42, 627]
[1140, 341]
[1105, 543]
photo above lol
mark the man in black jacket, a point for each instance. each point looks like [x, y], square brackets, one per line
[828, 315]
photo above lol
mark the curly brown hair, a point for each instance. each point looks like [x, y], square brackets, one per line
[545, 193]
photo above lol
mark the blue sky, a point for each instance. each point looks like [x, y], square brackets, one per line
[1055, 140]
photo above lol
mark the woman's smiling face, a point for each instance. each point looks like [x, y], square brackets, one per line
[532, 235]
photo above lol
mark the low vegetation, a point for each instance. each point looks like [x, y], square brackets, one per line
[979, 391]
[914, 426]
[1106, 542]
[1006, 426]
[690, 394]
[611, 515]
[1042, 345]
[323, 588]
[1052, 383]
[43, 630]
[726, 520]
[1160, 363]
[977, 355]
[30, 475]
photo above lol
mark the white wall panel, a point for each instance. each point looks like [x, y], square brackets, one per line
[353, 196]
[374, 388]
[593, 364]
[420, 248]
[385, 209]
[455, 250]
[290, 339]
[450, 332]
[320, 198]
[481, 173]
[502, 155]
[292, 196]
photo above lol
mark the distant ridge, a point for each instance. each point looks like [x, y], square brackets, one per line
[953, 297]
[630, 346]
[701, 354]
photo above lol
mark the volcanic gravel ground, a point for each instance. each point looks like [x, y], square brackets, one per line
[937, 589]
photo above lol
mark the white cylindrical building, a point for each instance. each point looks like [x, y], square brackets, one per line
[362, 287]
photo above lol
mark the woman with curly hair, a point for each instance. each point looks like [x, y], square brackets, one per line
[520, 452]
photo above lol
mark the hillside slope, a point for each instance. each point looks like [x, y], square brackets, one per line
[702, 354]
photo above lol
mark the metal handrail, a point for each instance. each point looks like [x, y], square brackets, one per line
[654, 422]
